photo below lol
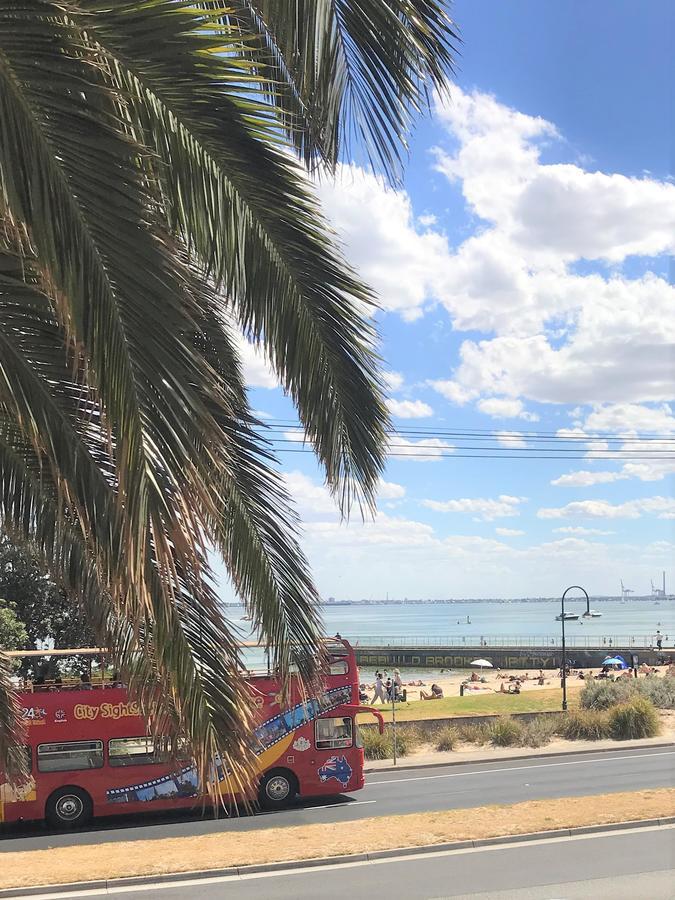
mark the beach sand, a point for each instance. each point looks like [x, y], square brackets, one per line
[493, 678]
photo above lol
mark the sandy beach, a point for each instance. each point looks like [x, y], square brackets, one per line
[491, 680]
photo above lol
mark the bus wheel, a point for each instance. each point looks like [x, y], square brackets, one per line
[277, 789]
[69, 807]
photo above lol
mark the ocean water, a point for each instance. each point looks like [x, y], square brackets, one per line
[510, 623]
[492, 621]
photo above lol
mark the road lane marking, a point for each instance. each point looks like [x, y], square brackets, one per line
[345, 805]
[291, 809]
[576, 762]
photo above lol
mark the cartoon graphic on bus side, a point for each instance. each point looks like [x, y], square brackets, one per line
[338, 768]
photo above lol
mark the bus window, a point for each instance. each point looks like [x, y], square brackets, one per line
[135, 751]
[70, 756]
[330, 734]
[339, 667]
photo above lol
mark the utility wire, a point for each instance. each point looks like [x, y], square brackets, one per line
[486, 434]
[517, 451]
[432, 454]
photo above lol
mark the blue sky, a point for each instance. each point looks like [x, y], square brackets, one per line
[522, 268]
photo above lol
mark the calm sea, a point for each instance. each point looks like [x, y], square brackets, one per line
[492, 620]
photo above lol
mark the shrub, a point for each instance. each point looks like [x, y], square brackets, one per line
[661, 691]
[636, 719]
[375, 745]
[586, 725]
[604, 694]
[381, 746]
[539, 731]
[506, 732]
[446, 738]
[474, 733]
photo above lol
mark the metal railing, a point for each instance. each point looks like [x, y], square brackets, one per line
[507, 641]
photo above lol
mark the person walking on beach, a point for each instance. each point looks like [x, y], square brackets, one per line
[658, 640]
[379, 689]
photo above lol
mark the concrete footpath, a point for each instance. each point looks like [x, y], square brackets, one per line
[499, 754]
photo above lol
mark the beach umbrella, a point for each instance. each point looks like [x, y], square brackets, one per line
[614, 661]
[481, 663]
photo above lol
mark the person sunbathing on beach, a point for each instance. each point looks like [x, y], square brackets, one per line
[436, 693]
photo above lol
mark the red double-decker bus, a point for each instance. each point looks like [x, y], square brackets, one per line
[89, 753]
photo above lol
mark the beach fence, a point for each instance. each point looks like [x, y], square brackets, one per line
[506, 641]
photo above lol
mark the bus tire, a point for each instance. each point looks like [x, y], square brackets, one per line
[69, 807]
[278, 788]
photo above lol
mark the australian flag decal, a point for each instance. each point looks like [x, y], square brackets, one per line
[338, 768]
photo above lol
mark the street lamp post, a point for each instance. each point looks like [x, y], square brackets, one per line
[573, 587]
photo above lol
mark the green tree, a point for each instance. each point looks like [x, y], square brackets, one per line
[13, 635]
[43, 608]
[150, 210]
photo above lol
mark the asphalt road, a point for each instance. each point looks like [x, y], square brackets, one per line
[621, 866]
[391, 793]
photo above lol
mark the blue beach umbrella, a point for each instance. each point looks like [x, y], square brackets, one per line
[614, 661]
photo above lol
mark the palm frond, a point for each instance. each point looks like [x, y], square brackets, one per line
[349, 74]
[192, 647]
[250, 216]
[256, 531]
[12, 759]
[181, 662]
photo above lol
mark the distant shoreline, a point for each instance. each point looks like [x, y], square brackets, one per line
[595, 599]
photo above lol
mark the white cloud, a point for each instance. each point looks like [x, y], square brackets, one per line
[664, 507]
[313, 501]
[580, 530]
[509, 532]
[424, 450]
[427, 220]
[485, 508]
[632, 418]
[377, 228]
[257, 370]
[649, 459]
[584, 478]
[511, 439]
[409, 409]
[452, 391]
[502, 408]
[388, 490]
[614, 321]
[297, 435]
[393, 380]
[411, 557]
[560, 211]
[650, 470]
[560, 337]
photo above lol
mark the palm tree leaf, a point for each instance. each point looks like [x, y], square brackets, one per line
[252, 219]
[12, 759]
[255, 529]
[194, 646]
[351, 73]
[266, 564]
[120, 287]
[182, 664]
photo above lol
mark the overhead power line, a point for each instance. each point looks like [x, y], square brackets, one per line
[479, 443]
[491, 433]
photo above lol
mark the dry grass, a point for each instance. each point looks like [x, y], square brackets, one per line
[224, 849]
